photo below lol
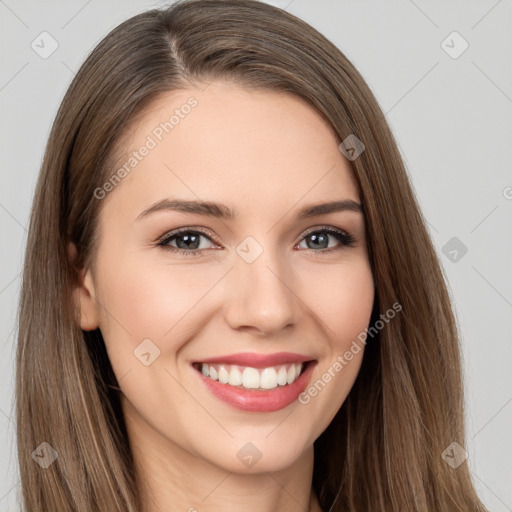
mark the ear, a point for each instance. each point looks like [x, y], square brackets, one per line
[84, 296]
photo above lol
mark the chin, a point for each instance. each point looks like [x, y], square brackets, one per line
[257, 454]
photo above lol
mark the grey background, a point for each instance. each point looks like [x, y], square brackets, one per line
[451, 116]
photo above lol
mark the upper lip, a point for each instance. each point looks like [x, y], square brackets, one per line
[255, 360]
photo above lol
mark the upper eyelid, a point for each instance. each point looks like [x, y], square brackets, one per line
[323, 228]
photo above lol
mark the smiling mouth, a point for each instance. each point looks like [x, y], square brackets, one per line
[256, 379]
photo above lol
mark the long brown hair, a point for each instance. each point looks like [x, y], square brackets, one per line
[383, 450]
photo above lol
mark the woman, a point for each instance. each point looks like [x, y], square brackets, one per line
[230, 300]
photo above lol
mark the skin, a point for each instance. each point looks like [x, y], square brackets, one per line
[267, 155]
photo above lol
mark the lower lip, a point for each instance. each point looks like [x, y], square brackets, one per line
[259, 401]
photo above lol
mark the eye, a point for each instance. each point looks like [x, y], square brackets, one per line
[319, 239]
[187, 241]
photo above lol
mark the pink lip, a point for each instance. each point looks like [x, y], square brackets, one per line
[258, 360]
[259, 401]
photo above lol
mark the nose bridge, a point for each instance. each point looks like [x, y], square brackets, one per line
[261, 290]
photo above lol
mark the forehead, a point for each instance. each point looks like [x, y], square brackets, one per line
[234, 145]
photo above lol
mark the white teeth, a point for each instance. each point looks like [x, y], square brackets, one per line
[291, 374]
[268, 379]
[235, 376]
[250, 378]
[253, 378]
[282, 376]
[223, 375]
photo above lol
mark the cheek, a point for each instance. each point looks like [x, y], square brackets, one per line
[342, 300]
[161, 303]
[341, 296]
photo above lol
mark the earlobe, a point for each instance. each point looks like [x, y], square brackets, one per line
[84, 296]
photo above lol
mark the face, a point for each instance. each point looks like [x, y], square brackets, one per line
[219, 318]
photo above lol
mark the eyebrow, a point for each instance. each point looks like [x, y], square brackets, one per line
[221, 211]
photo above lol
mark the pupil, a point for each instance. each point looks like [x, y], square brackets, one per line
[189, 241]
[316, 240]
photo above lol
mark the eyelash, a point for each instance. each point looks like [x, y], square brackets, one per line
[346, 240]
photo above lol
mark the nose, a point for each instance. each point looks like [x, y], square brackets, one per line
[261, 296]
